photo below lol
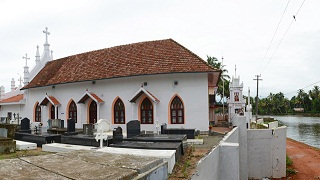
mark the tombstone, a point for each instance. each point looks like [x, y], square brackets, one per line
[117, 135]
[56, 123]
[71, 126]
[61, 123]
[133, 128]
[163, 127]
[49, 123]
[3, 132]
[88, 129]
[102, 126]
[25, 126]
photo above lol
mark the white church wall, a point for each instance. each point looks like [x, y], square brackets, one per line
[14, 108]
[192, 88]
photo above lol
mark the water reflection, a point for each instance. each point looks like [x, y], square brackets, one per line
[303, 129]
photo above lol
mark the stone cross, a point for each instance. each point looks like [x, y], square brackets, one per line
[26, 58]
[101, 128]
[47, 33]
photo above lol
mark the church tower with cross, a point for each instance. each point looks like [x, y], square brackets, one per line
[40, 60]
[236, 103]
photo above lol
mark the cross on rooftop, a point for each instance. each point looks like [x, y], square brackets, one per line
[26, 58]
[47, 33]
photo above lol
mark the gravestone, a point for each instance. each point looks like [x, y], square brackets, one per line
[3, 132]
[88, 129]
[102, 127]
[56, 123]
[71, 127]
[61, 123]
[163, 127]
[25, 124]
[133, 128]
[49, 123]
[117, 135]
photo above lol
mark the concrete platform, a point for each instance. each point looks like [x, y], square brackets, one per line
[59, 147]
[194, 141]
[166, 155]
[84, 165]
[22, 145]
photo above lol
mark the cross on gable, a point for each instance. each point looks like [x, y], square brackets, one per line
[26, 58]
[47, 33]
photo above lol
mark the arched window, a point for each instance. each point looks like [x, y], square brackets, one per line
[119, 112]
[37, 113]
[146, 111]
[73, 111]
[176, 111]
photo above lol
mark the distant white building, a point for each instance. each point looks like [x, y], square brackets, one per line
[154, 82]
[236, 103]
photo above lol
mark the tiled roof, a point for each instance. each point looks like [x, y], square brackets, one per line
[144, 58]
[91, 95]
[16, 98]
[146, 92]
[50, 99]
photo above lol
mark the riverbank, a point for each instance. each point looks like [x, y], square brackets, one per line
[306, 160]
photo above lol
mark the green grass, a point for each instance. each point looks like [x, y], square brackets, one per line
[289, 171]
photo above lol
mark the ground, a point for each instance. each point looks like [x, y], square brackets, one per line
[306, 160]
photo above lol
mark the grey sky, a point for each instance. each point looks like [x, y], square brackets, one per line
[238, 30]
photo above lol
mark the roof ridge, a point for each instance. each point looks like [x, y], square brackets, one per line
[205, 62]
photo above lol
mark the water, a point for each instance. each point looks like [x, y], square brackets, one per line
[303, 129]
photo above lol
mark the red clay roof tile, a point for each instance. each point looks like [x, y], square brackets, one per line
[144, 58]
[16, 98]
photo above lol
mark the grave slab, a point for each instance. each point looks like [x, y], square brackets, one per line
[167, 155]
[59, 147]
[40, 139]
[22, 145]
[84, 140]
[139, 164]
[177, 146]
[19, 169]
[78, 169]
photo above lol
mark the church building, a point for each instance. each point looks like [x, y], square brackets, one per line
[154, 82]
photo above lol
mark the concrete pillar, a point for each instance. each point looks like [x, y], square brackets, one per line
[229, 161]
[240, 122]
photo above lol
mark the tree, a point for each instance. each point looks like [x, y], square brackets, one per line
[224, 78]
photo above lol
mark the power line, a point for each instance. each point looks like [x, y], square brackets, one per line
[274, 34]
[294, 19]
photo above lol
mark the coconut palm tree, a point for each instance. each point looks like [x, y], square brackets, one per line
[224, 78]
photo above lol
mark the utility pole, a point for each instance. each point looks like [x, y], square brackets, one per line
[257, 98]
[222, 90]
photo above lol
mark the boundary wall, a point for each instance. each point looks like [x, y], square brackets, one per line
[246, 154]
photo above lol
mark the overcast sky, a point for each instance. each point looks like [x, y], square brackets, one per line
[240, 31]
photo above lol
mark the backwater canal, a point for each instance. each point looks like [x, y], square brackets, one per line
[302, 129]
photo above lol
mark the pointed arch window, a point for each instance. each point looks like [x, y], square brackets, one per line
[146, 111]
[73, 111]
[119, 112]
[37, 113]
[176, 111]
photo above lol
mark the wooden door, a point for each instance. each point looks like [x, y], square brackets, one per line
[93, 112]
